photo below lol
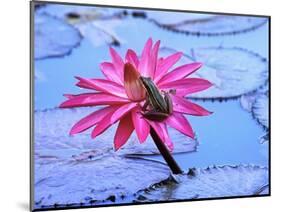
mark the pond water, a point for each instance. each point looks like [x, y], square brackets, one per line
[230, 136]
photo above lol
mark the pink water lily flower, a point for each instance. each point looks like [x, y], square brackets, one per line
[123, 95]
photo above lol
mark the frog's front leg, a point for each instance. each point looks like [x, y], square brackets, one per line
[155, 115]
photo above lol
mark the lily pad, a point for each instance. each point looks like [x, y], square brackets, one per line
[233, 71]
[257, 103]
[100, 32]
[52, 138]
[248, 100]
[48, 32]
[225, 181]
[94, 23]
[205, 24]
[99, 181]
[260, 110]
[63, 11]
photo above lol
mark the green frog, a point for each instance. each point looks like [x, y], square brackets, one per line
[161, 106]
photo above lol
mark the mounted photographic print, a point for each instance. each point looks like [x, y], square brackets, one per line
[138, 105]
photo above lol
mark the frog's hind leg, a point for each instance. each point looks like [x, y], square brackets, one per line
[155, 115]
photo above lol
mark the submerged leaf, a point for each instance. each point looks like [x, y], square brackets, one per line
[233, 71]
[87, 182]
[52, 138]
[48, 34]
[225, 181]
[205, 24]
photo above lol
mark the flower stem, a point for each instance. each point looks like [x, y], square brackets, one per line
[165, 153]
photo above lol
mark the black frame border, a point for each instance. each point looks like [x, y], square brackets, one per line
[31, 104]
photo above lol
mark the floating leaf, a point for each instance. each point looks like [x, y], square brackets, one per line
[52, 138]
[48, 32]
[225, 181]
[94, 23]
[100, 32]
[233, 71]
[205, 24]
[248, 100]
[73, 12]
[260, 110]
[86, 182]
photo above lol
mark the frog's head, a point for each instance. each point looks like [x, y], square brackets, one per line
[146, 81]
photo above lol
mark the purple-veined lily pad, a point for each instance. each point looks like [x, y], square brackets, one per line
[48, 34]
[205, 24]
[225, 181]
[100, 181]
[233, 71]
[52, 138]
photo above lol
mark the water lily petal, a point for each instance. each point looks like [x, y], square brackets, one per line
[123, 132]
[110, 73]
[140, 124]
[183, 105]
[102, 85]
[180, 123]
[144, 64]
[165, 64]
[180, 72]
[133, 86]
[153, 59]
[69, 96]
[117, 62]
[187, 86]
[91, 120]
[102, 125]
[112, 118]
[162, 132]
[121, 111]
[92, 99]
[132, 58]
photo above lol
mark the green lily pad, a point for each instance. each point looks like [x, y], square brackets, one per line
[233, 71]
[48, 32]
[52, 138]
[100, 181]
[215, 182]
[205, 24]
